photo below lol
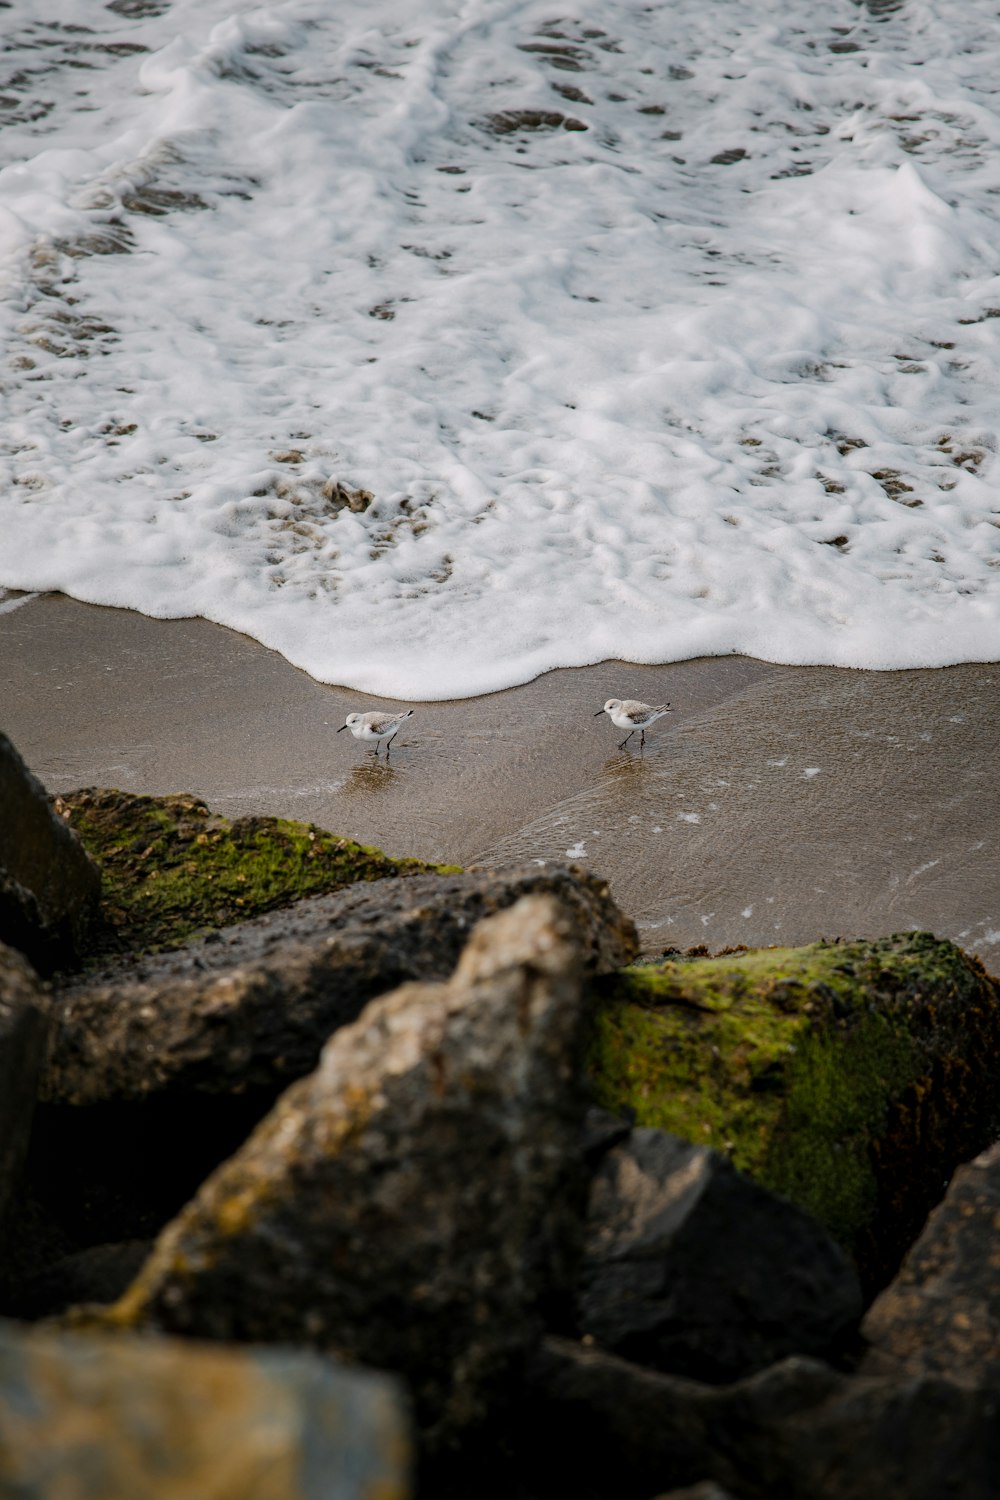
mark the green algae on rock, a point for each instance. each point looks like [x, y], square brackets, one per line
[850, 1077]
[172, 869]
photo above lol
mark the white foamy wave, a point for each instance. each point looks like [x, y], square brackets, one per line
[650, 338]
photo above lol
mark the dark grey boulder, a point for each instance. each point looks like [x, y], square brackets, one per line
[691, 1267]
[24, 1018]
[49, 886]
[942, 1312]
[412, 1202]
[595, 1425]
[252, 1008]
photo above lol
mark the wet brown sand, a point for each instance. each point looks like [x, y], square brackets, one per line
[775, 805]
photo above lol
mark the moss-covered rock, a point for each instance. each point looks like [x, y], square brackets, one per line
[172, 869]
[850, 1077]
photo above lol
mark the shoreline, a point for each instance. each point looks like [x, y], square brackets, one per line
[775, 805]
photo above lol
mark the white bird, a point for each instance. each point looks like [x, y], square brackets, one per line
[626, 713]
[375, 726]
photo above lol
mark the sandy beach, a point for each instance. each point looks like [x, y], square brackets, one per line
[775, 805]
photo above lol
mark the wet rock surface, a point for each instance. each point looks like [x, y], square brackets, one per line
[252, 1007]
[114, 1419]
[412, 1202]
[942, 1312]
[667, 1283]
[49, 886]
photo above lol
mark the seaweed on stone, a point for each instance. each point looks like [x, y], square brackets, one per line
[172, 870]
[850, 1077]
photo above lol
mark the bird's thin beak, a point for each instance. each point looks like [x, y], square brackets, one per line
[342, 728]
[598, 713]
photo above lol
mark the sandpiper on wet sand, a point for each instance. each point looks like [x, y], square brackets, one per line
[627, 713]
[375, 726]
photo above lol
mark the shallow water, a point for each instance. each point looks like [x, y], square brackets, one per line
[649, 337]
[814, 803]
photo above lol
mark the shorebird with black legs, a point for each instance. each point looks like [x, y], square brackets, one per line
[626, 713]
[375, 726]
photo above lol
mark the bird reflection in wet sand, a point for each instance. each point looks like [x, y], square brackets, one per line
[370, 777]
[625, 767]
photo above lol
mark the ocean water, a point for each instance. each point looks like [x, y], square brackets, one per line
[438, 345]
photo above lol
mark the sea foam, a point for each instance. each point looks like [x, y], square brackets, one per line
[652, 330]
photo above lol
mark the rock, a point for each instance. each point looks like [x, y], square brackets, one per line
[596, 1425]
[49, 887]
[942, 1312]
[411, 1203]
[173, 870]
[848, 1077]
[24, 1017]
[83, 1418]
[900, 1440]
[159, 1075]
[252, 1009]
[691, 1267]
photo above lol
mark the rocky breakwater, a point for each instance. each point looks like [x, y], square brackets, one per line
[156, 1070]
[361, 1128]
[414, 1202]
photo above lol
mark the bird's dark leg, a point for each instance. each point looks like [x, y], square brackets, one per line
[626, 739]
[388, 743]
[642, 739]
